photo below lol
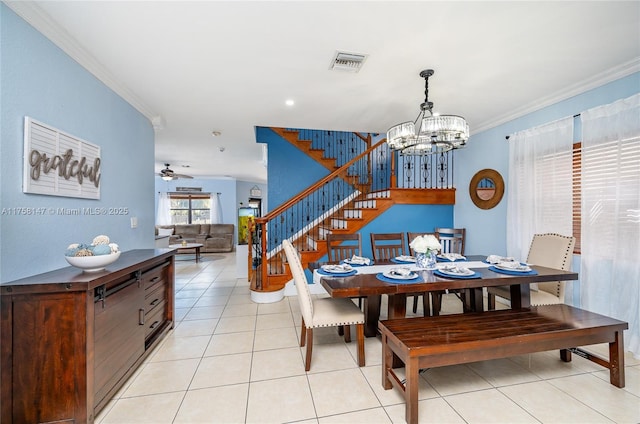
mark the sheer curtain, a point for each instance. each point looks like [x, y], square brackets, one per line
[610, 261]
[539, 194]
[163, 215]
[216, 209]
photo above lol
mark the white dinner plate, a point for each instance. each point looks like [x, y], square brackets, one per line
[356, 263]
[513, 266]
[405, 258]
[459, 272]
[337, 269]
[451, 257]
[392, 275]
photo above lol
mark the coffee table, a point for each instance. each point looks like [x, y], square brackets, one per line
[186, 246]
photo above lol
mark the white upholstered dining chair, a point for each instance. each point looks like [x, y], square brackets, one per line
[322, 312]
[549, 250]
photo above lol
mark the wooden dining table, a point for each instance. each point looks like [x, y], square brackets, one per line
[369, 287]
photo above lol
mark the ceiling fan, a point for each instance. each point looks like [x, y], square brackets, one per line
[168, 174]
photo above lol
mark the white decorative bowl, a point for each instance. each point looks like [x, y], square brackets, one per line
[92, 263]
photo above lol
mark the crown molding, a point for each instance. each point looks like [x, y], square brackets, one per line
[42, 22]
[605, 77]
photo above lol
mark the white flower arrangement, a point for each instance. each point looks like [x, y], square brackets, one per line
[425, 243]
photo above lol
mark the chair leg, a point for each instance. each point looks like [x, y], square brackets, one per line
[347, 333]
[415, 304]
[307, 357]
[303, 334]
[360, 337]
[491, 301]
[436, 303]
[425, 305]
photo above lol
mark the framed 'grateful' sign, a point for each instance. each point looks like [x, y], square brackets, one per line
[59, 164]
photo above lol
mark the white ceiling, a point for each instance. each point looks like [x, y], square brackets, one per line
[230, 65]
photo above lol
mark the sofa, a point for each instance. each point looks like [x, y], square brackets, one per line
[214, 238]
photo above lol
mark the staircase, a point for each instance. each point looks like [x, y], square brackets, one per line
[346, 200]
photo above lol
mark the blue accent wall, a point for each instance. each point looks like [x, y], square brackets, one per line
[289, 169]
[39, 80]
[407, 218]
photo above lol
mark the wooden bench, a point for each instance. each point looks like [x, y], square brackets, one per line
[456, 339]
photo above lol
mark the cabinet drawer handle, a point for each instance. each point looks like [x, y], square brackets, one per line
[141, 316]
[154, 279]
[154, 325]
[155, 302]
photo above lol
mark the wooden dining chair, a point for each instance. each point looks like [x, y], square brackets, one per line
[451, 239]
[322, 312]
[343, 246]
[549, 250]
[386, 246]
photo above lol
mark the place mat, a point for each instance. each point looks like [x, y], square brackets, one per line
[336, 274]
[463, 277]
[381, 277]
[504, 271]
[398, 261]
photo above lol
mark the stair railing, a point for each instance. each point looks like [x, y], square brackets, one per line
[306, 218]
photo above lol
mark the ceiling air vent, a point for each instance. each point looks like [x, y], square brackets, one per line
[348, 62]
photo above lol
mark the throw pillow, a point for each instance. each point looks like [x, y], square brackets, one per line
[165, 231]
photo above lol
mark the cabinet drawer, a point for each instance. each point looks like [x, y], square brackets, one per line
[155, 298]
[154, 320]
[155, 276]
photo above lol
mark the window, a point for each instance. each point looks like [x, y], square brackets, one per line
[190, 208]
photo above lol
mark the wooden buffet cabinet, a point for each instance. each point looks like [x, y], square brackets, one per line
[70, 339]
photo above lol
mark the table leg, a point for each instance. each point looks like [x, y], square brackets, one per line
[475, 302]
[371, 315]
[616, 360]
[197, 254]
[397, 307]
[520, 296]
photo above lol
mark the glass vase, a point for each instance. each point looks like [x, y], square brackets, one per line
[426, 260]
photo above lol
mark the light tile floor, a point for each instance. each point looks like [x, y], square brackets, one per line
[229, 360]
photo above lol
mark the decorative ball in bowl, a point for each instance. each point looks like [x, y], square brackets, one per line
[92, 257]
[92, 263]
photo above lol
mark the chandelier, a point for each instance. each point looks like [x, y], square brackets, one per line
[436, 133]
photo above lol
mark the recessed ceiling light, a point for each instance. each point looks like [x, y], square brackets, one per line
[216, 133]
[289, 102]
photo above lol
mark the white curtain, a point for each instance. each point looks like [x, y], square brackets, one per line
[216, 209]
[539, 194]
[163, 215]
[610, 260]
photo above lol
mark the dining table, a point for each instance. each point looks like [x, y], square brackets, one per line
[368, 282]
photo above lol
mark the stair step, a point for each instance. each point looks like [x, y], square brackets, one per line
[352, 213]
[379, 195]
[323, 232]
[311, 243]
[339, 223]
[366, 204]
